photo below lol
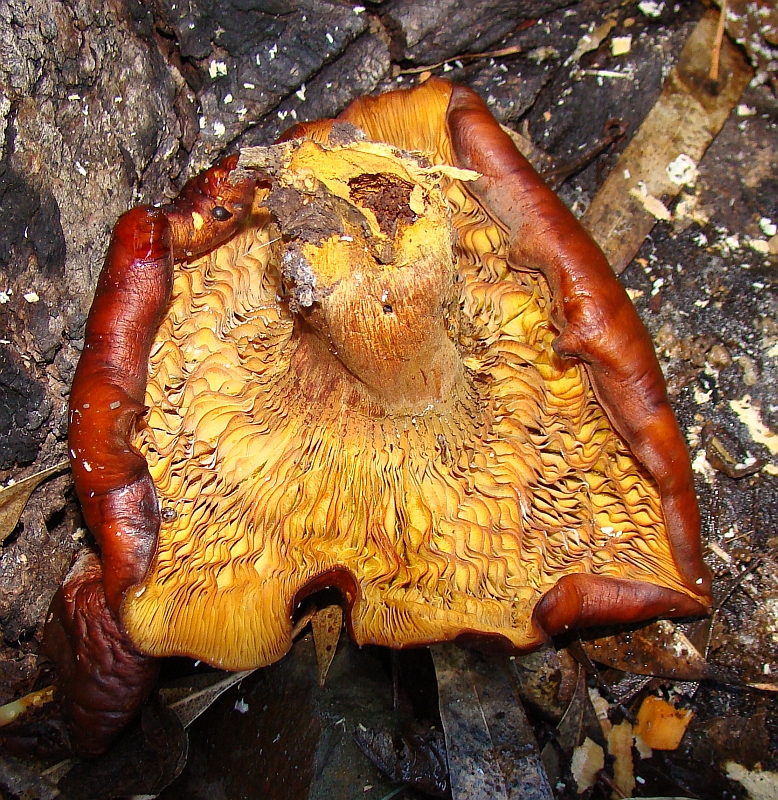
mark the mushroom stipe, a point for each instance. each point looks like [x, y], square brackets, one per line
[380, 355]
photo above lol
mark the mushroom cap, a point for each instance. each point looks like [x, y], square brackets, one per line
[359, 390]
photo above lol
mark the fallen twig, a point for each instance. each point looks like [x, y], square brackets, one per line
[715, 53]
[505, 51]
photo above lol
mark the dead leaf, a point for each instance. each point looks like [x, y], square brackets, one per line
[744, 738]
[660, 649]
[13, 498]
[142, 762]
[417, 759]
[24, 780]
[299, 626]
[578, 723]
[591, 41]
[326, 624]
[539, 159]
[199, 692]
[689, 113]
[547, 681]
[490, 744]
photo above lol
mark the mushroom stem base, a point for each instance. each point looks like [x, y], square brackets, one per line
[103, 680]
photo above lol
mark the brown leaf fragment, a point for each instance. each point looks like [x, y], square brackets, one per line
[738, 737]
[415, 759]
[547, 680]
[626, 686]
[591, 41]
[326, 624]
[13, 498]
[689, 113]
[578, 724]
[726, 454]
[660, 649]
[491, 747]
[24, 780]
[300, 624]
[200, 693]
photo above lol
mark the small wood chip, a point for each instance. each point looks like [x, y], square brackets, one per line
[620, 747]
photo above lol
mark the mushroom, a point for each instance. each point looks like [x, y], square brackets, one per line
[102, 677]
[406, 372]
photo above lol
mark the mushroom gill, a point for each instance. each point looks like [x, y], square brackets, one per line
[358, 390]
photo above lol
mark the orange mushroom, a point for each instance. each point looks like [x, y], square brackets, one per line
[407, 372]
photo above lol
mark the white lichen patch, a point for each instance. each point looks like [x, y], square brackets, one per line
[701, 466]
[760, 785]
[769, 228]
[750, 416]
[217, 69]
[650, 8]
[683, 171]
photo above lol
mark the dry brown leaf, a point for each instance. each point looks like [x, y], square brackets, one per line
[547, 681]
[579, 724]
[299, 626]
[13, 498]
[689, 113]
[190, 702]
[660, 649]
[326, 624]
[490, 745]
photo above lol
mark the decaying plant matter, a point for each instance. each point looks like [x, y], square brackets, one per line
[405, 371]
